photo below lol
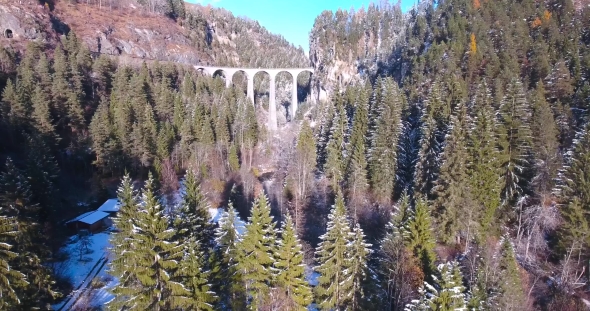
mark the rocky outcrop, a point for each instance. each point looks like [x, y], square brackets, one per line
[20, 23]
[330, 71]
[346, 46]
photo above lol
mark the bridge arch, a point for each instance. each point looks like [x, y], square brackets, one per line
[204, 70]
[242, 76]
[222, 72]
[229, 73]
[290, 108]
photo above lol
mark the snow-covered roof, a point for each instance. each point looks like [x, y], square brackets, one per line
[93, 217]
[80, 217]
[111, 205]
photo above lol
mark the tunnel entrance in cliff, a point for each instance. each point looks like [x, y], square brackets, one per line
[8, 33]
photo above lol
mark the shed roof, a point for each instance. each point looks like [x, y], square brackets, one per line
[94, 217]
[80, 217]
[111, 205]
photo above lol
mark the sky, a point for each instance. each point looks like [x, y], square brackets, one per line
[293, 19]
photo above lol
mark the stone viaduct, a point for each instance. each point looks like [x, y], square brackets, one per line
[250, 72]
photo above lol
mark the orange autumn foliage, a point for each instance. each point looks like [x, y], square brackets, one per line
[476, 4]
[473, 45]
[536, 23]
[546, 15]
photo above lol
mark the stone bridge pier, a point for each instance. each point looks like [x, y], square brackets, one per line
[229, 72]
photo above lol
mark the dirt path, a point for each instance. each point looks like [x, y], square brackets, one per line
[78, 292]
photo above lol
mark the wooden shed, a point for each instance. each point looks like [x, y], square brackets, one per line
[92, 221]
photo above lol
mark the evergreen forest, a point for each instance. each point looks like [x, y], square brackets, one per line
[450, 172]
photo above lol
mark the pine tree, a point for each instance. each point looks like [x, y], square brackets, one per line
[249, 132]
[192, 274]
[515, 142]
[511, 294]
[205, 133]
[545, 143]
[290, 267]
[122, 240]
[155, 256]
[445, 294]
[574, 196]
[103, 69]
[233, 159]
[228, 279]
[384, 140]
[452, 191]
[256, 252]
[104, 142]
[60, 87]
[358, 255]
[75, 112]
[14, 110]
[335, 156]
[397, 266]
[42, 121]
[29, 240]
[122, 112]
[333, 262]
[42, 171]
[44, 74]
[193, 221]
[432, 132]
[420, 238]
[322, 134]
[408, 150]
[355, 172]
[10, 279]
[483, 167]
[25, 78]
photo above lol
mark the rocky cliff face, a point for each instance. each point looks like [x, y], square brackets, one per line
[25, 22]
[209, 36]
[347, 45]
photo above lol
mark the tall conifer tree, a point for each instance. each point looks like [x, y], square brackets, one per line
[335, 157]
[483, 167]
[452, 191]
[10, 279]
[355, 172]
[290, 267]
[358, 254]
[257, 252]
[574, 196]
[421, 240]
[193, 220]
[29, 240]
[333, 289]
[383, 153]
[515, 142]
[228, 278]
[428, 162]
[155, 257]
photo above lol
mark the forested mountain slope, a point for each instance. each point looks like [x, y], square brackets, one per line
[477, 110]
[447, 167]
[75, 118]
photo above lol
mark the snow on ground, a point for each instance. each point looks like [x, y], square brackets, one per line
[311, 276]
[215, 214]
[94, 265]
[82, 272]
